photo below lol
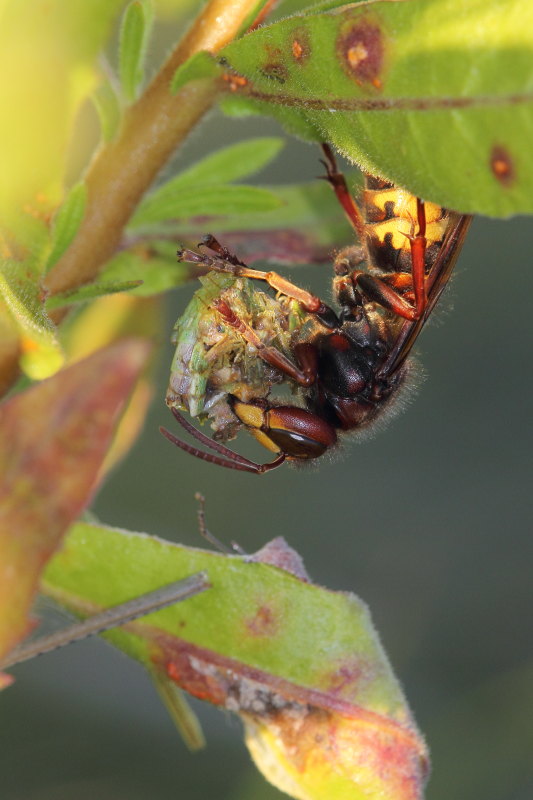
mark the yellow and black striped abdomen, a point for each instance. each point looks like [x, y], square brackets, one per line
[390, 217]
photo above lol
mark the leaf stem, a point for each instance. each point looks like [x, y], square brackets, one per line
[152, 128]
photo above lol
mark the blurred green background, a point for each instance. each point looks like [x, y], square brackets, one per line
[429, 522]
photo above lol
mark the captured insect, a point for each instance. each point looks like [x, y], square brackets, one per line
[345, 369]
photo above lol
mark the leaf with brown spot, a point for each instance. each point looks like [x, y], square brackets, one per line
[53, 440]
[301, 665]
[424, 93]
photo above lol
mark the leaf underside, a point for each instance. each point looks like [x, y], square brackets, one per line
[431, 94]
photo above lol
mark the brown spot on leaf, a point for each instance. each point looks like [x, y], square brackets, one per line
[297, 50]
[502, 165]
[275, 69]
[360, 48]
[300, 45]
[350, 678]
[275, 72]
[235, 82]
[264, 622]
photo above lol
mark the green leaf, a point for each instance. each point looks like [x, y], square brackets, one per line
[205, 201]
[134, 34]
[308, 205]
[435, 95]
[152, 272]
[34, 232]
[304, 230]
[66, 222]
[254, 14]
[108, 109]
[295, 121]
[89, 292]
[199, 67]
[226, 165]
[325, 716]
[19, 288]
[100, 566]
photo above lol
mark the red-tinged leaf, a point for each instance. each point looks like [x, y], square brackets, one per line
[288, 247]
[53, 439]
[102, 322]
[302, 666]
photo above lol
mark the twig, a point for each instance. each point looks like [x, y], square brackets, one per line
[153, 127]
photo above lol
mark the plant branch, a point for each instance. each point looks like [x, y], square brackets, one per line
[152, 128]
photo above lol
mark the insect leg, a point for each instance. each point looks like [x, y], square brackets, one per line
[338, 183]
[436, 283]
[418, 260]
[213, 244]
[379, 291]
[387, 291]
[224, 261]
[310, 302]
[304, 376]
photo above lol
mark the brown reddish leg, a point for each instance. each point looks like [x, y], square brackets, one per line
[386, 290]
[338, 183]
[304, 377]
[383, 291]
[418, 258]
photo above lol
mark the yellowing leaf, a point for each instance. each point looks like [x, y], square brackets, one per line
[40, 351]
[303, 666]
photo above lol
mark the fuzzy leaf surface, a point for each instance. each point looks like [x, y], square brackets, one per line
[134, 35]
[41, 353]
[229, 164]
[263, 642]
[435, 95]
[204, 201]
[66, 222]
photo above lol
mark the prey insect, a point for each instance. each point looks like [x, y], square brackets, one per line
[345, 368]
